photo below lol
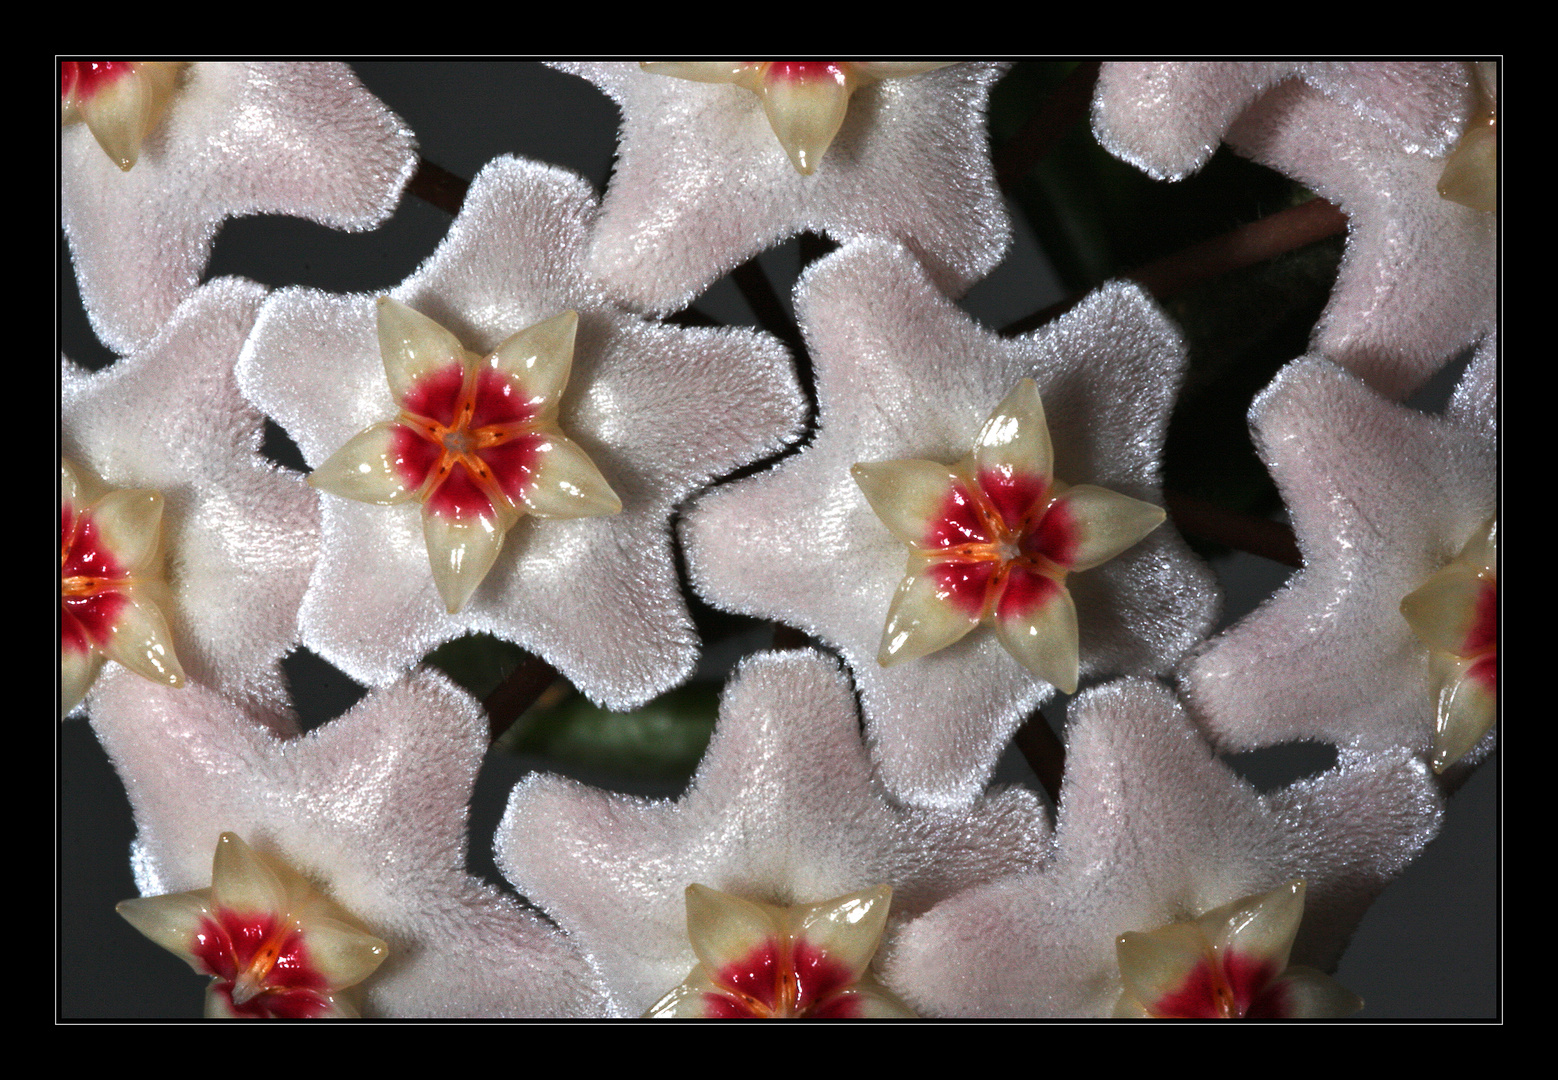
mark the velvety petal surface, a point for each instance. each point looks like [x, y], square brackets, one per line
[660, 410]
[239, 535]
[1153, 830]
[784, 810]
[701, 183]
[1381, 497]
[372, 808]
[902, 373]
[1417, 283]
[298, 138]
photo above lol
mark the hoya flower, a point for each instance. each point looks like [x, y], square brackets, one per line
[371, 810]
[111, 587]
[120, 101]
[1384, 500]
[760, 961]
[1229, 964]
[232, 139]
[476, 441]
[805, 101]
[1152, 830]
[703, 182]
[787, 819]
[652, 411]
[273, 946]
[238, 535]
[903, 374]
[993, 540]
[1416, 285]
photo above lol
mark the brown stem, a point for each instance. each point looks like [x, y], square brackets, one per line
[1268, 539]
[1066, 106]
[1273, 235]
[1266, 238]
[438, 185]
[1043, 752]
[518, 692]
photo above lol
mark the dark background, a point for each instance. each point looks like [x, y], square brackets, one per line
[1428, 948]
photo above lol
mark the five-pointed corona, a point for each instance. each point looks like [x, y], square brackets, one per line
[992, 540]
[475, 441]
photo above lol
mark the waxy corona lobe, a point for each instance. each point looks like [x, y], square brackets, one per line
[1231, 963]
[476, 441]
[993, 538]
[111, 586]
[272, 944]
[120, 101]
[763, 961]
[805, 100]
[1455, 614]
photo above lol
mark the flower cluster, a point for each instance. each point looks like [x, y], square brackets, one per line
[538, 441]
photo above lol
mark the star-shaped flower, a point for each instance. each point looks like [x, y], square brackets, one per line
[1153, 830]
[659, 409]
[111, 586]
[902, 373]
[297, 138]
[785, 811]
[1382, 498]
[1417, 285]
[476, 441]
[239, 534]
[993, 539]
[702, 184]
[1231, 963]
[761, 961]
[369, 808]
[273, 946]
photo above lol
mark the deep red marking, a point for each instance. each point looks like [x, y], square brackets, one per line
[1026, 591]
[499, 400]
[1055, 537]
[1213, 991]
[817, 978]
[235, 942]
[1017, 497]
[414, 455]
[965, 584]
[436, 395]
[83, 78]
[756, 975]
[461, 445]
[808, 71]
[1484, 628]
[92, 584]
[958, 521]
[459, 495]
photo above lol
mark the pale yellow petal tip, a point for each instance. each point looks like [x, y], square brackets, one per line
[311, 939]
[737, 942]
[122, 110]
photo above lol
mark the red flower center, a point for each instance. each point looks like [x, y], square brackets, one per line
[1482, 640]
[777, 981]
[1234, 988]
[83, 78]
[261, 965]
[1002, 545]
[92, 584]
[466, 441]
